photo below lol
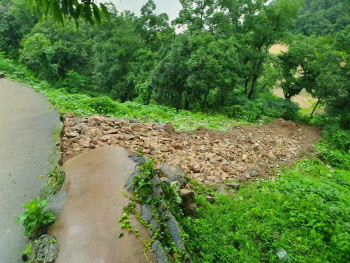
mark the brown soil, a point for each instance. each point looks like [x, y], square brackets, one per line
[211, 157]
[88, 227]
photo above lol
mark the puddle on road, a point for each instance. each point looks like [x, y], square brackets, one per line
[88, 226]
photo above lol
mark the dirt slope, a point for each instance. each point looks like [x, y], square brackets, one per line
[88, 227]
[243, 153]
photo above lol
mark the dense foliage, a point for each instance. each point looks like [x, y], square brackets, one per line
[323, 17]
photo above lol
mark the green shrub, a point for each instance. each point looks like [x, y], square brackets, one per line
[74, 82]
[35, 216]
[102, 105]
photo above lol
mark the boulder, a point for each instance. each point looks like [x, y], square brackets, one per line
[175, 231]
[162, 255]
[188, 203]
[2, 75]
[56, 203]
[174, 174]
[46, 249]
[233, 185]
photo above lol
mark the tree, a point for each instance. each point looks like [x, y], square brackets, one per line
[15, 22]
[321, 18]
[37, 54]
[71, 9]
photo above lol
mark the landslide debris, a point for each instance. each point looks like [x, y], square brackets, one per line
[211, 157]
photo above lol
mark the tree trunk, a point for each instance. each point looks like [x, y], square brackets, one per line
[205, 100]
[318, 102]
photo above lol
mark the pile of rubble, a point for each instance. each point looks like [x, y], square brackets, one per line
[211, 157]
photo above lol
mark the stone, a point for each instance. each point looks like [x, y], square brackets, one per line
[146, 213]
[174, 174]
[56, 203]
[169, 128]
[157, 188]
[159, 127]
[233, 185]
[128, 137]
[210, 199]
[162, 255]
[137, 159]
[85, 142]
[134, 121]
[2, 75]
[112, 131]
[71, 134]
[221, 190]
[129, 181]
[46, 249]
[188, 203]
[175, 231]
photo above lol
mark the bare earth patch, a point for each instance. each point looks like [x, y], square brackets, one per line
[211, 157]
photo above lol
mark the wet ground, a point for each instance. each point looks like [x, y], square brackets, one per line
[27, 127]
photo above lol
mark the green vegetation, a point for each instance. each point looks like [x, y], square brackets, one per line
[35, 216]
[55, 182]
[322, 17]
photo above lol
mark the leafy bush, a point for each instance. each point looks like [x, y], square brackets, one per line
[302, 216]
[35, 216]
[102, 105]
[74, 82]
[264, 106]
[334, 148]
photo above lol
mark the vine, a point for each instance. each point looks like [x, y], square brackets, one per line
[143, 194]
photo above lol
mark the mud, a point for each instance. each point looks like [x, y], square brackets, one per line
[88, 226]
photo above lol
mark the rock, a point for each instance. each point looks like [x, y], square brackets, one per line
[85, 142]
[137, 159]
[162, 255]
[233, 185]
[56, 203]
[159, 127]
[174, 174]
[221, 190]
[188, 203]
[129, 181]
[134, 121]
[128, 137]
[175, 231]
[169, 128]
[157, 188]
[112, 131]
[2, 75]
[46, 249]
[210, 199]
[71, 134]
[254, 173]
[146, 213]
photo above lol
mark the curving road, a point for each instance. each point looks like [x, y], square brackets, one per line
[27, 127]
